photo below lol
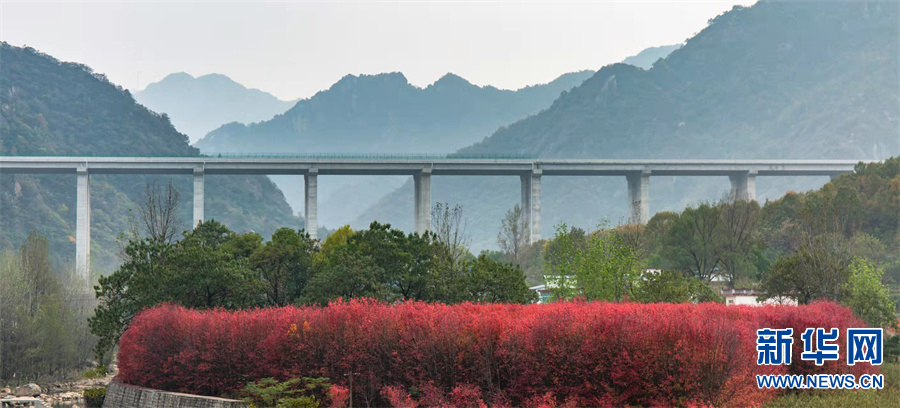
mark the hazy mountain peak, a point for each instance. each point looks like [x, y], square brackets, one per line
[646, 58]
[451, 80]
[198, 105]
[180, 78]
[350, 80]
[219, 79]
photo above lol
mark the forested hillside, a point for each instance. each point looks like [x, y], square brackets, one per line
[196, 106]
[381, 114]
[801, 80]
[50, 107]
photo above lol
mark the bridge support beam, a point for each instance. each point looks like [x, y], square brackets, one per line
[422, 183]
[199, 196]
[311, 205]
[526, 203]
[743, 186]
[639, 196]
[83, 224]
[531, 204]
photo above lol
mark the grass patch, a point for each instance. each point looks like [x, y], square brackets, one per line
[887, 397]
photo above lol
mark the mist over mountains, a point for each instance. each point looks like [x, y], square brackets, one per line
[798, 80]
[49, 107]
[198, 105]
[384, 113]
[381, 113]
[774, 80]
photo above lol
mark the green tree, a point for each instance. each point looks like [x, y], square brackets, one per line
[285, 265]
[336, 239]
[347, 274]
[738, 239]
[207, 268]
[514, 234]
[596, 266]
[493, 282]
[42, 332]
[693, 242]
[404, 261]
[672, 287]
[817, 269]
[137, 284]
[867, 296]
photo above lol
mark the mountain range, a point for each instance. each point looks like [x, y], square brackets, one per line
[777, 80]
[381, 113]
[51, 107]
[366, 113]
[802, 80]
[198, 105]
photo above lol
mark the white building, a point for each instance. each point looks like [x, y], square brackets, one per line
[749, 297]
[545, 291]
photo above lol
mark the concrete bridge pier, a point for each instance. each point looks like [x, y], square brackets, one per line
[743, 185]
[531, 204]
[311, 206]
[83, 224]
[422, 182]
[639, 196]
[199, 196]
[526, 202]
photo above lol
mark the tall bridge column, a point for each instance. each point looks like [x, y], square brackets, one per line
[526, 203]
[311, 206]
[199, 195]
[743, 186]
[639, 196]
[422, 183]
[534, 211]
[83, 224]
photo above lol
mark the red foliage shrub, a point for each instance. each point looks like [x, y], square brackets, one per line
[558, 354]
[397, 397]
[339, 396]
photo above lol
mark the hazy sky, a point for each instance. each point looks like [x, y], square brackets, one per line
[293, 49]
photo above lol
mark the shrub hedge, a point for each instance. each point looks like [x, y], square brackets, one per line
[414, 353]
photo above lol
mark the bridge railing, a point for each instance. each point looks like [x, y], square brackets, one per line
[376, 156]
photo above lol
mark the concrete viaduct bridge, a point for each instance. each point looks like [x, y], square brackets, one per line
[742, 173]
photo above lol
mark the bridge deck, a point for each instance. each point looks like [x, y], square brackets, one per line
[410, 166]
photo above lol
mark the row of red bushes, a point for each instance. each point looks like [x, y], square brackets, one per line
[567, 353]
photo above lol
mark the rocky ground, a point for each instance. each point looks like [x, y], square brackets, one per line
[63, 394]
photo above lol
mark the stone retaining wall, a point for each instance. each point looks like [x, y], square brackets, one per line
[120, 395]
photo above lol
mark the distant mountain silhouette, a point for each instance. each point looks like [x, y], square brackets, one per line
[802, 80]
[199, 105]
[50, 107]
[385, 113]
[382, 114]
[646, 58]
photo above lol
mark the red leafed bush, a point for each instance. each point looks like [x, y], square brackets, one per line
[558, 354]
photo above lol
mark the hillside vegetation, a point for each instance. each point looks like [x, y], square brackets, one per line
[50, 107]
[798, 80]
